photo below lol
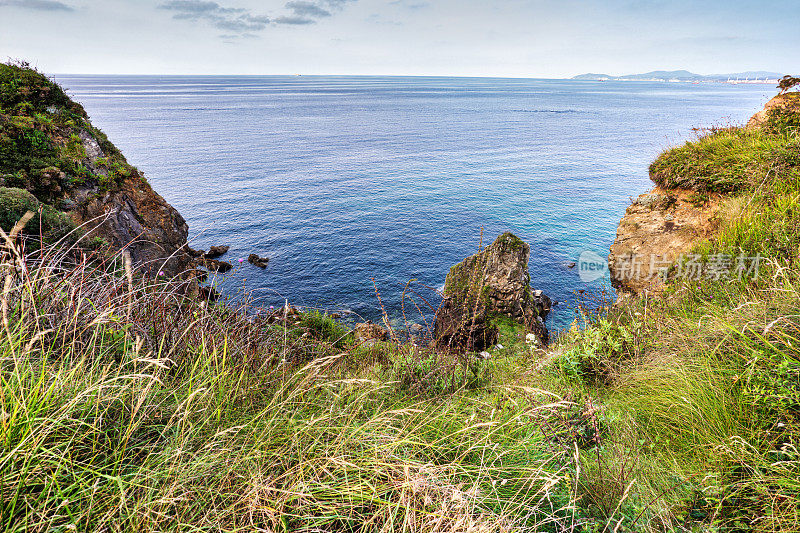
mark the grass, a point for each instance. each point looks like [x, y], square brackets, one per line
[732, 159]
[130, 407]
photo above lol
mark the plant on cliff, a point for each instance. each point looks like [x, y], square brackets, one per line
[787, 83]
[47, 222]
[44, 137]
[730, 159]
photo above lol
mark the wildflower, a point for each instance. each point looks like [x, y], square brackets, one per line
[161, 273]
[241, 260]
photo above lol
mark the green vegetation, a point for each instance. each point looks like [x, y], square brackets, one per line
[44, 138]
[51, 224]
[731, 159]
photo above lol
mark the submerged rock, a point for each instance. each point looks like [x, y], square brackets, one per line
[490, 284]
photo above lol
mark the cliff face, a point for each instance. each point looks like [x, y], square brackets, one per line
[493, 283]
[694, 183]
[658, 228]
[785, 104]
[49, 147]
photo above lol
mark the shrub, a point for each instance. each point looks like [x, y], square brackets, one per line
[50, 223]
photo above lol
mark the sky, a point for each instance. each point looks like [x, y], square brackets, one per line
[502, 38]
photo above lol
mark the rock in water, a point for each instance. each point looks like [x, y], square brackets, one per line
[487, 285]
[217, 251]
[216, 265]
[260, 262]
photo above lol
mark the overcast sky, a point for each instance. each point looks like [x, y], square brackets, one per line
[518, 38]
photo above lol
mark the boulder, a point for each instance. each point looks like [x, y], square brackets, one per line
[217, 251]
[492, 283]
[255, 259]
[216, 265]
[367, 331]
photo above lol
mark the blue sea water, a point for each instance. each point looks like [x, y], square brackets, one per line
[342, 180]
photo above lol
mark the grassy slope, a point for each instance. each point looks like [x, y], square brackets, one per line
[702, 386]
[127, 407]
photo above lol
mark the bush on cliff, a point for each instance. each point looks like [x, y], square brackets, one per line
[43, 139]
[48, 223]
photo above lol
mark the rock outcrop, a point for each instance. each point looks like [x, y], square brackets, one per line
[658, 228]
[136, 218]
[490, 284]
[787, 103]
[664, 224]
[49, 148]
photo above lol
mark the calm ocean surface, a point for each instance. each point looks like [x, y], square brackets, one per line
[343, 179]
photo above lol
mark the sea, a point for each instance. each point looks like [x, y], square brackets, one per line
[364, 191]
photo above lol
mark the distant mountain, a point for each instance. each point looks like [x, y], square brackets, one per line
[664, 75]
[681, 75]
[592, 76]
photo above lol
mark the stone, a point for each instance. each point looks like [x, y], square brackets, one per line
[216, 265]
[217, 251]
[494, 282]
[260, 262]
[367, 331]
[653, 235]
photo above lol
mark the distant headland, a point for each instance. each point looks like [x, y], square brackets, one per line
[757, 76]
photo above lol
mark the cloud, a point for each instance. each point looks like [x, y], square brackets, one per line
[39, 5]
[239, 21]
[228, 19]
[294, 21]
[307, 9]
[413, 6]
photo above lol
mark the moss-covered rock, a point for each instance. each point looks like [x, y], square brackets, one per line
[492, 283]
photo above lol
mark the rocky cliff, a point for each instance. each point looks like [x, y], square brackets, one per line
[483, 287]
[696, 184]
[49, 148]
